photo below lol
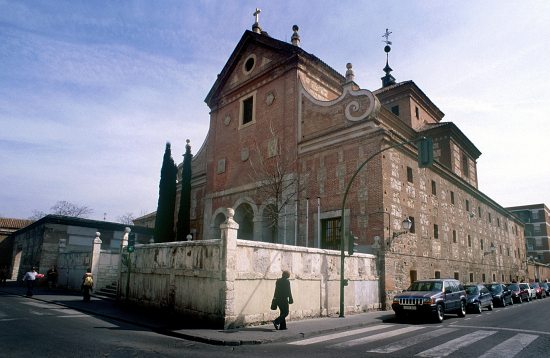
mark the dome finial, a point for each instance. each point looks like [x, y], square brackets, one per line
[388, 79]
[295, 39]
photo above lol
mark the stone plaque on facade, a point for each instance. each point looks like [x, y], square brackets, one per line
[227, 119]
[221, 166]
[269, 98]
[244, 154]
[272, 146]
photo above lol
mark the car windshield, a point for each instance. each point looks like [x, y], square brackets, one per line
[471, 290]
[523, 286]
[494, 288]
[513, 287]
[533, 285]
[426, 286]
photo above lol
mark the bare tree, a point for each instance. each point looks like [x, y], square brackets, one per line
[127, 219]
[64, 208]
[274, 170]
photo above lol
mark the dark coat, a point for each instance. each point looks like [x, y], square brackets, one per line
[282, 291]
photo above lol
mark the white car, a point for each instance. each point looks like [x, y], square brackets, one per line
[527, 287]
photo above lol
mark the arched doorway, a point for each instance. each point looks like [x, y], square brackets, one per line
[218, 220]
[244, 216]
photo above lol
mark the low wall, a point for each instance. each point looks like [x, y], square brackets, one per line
[315, 281]
[230, 283]
[182, 276]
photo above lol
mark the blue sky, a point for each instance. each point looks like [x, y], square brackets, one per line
[90, 91]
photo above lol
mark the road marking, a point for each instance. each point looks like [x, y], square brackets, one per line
[505, 329]
[74, 315]
[9, 319]
[339, 335]
[409, 342]
[451, 346]
[510, 347]
[376, 337]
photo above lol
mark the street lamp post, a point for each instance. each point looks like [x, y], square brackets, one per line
[425, 159]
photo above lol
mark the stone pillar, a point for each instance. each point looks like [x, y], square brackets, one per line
[229, 231]
[96, 252]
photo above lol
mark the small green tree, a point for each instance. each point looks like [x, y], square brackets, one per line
[164, 221]
[184, 213]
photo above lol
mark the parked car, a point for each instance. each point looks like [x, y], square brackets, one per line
[518, 295]
[539, 292]
[478, 297]
[545, 286]
[432, 298]
[526, 290]
[502, 295]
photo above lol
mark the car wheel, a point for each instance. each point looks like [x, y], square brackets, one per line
[462, 310]
[477, 308]
[520, 300]
[503, 302]
[511, 301]
[439, 315]
[490, 308]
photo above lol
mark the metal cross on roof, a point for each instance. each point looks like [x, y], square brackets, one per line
[387, 36]
[257, 14]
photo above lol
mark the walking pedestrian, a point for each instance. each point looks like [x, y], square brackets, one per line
[282, 297]
[29, 278]
[3, 275]
[87, 284]
[52, 277]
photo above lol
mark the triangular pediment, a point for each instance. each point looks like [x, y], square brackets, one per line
[254, 55]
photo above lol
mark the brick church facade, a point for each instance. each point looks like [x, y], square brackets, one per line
[287, 133]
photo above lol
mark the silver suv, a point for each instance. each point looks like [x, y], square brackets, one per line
[433, 298]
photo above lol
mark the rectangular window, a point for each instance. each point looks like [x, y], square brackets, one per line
[412, 230]
[472, 277]
[409, 174]
[454, 236]
[412, 275]
[452, 197]
[330, 233]
[434, 188]
[481, 245]
[498, 222]
[465, 167]
[467, 203]
[494, 277]
[508, 251]
[416, 112]
[437, 274]
[479, 211]
[469, 241]
[482, 277]
[436, 231]
[395, 110]
[248, 110]
[489, 217]
[457, 276]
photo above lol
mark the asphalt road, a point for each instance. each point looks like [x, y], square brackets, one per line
[31, 328]
[514, 331]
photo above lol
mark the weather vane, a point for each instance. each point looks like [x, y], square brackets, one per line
[387, 36]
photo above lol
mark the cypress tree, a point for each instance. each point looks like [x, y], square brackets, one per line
[184, 212]
[164, 221]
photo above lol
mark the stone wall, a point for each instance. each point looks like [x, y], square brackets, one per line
[230, 283]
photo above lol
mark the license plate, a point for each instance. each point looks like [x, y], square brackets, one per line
[412, 308]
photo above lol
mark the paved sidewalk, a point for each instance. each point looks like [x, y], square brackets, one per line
[168, 324]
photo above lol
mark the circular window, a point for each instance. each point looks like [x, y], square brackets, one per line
[249, 64]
